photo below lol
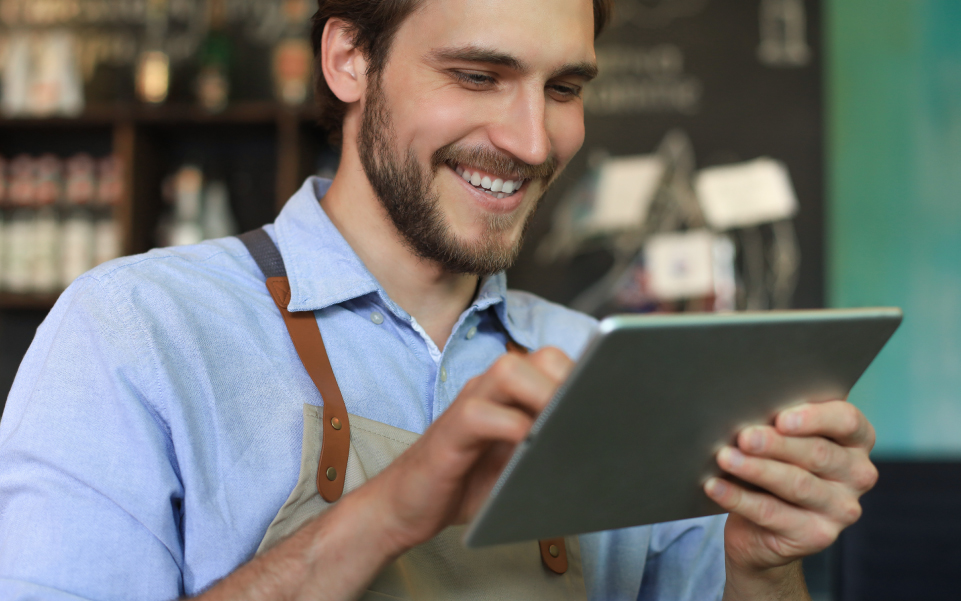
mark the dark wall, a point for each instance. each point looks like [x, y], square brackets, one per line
[732, 105]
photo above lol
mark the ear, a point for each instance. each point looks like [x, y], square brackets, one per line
[344, 66]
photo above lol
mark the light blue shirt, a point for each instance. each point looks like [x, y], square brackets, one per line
[154, 429]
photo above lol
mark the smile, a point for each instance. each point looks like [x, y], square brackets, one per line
[498, 187]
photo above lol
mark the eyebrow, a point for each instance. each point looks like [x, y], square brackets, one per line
[478, 54]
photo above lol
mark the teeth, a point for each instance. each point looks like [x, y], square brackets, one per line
[498, 187]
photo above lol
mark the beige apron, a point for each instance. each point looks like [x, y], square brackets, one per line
[442, 568]
[358, 449]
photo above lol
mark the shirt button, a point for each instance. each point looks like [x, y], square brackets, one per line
[471, 333]
[377, 318]
[443, 374]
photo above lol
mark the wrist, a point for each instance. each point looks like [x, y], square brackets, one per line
[781, 582]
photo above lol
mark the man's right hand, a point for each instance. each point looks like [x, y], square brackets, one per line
[449, 472]
[440, 480]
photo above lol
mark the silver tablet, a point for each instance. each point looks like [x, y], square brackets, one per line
[631, 436]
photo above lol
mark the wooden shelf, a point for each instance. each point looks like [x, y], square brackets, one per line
[242, 113]
[28, 301]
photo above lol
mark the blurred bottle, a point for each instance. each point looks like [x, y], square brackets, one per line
[109, 189]
[215, 56]
[81, 180]
[293, 55]
[153, 64]
[77, 245]
[18, 252]
[41, 75]
[46, 255]
[184, 192]
[218, 219]
[106, 241]
[22, 178]
[49, 184]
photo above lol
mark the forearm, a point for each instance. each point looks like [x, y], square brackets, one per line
[785, 583]
[333, 557]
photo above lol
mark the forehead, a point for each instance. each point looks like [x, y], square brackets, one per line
[543, 33]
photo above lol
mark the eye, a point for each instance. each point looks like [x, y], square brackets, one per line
[475, 80]
[565, 92]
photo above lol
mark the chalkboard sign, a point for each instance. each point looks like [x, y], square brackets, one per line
[742, 78]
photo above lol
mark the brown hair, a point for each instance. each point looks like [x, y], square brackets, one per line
[373, 24]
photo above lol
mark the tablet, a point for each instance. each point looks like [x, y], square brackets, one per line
[630, 438]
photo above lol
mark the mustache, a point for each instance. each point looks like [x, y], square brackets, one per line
[491, 161]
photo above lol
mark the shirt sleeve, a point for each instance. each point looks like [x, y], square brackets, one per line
[89, 488]
[685, 561]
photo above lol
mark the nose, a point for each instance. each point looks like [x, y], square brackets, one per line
[521, 128]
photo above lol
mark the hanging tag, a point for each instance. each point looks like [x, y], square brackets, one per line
[624, 192]
[746, 194]
[681, 265]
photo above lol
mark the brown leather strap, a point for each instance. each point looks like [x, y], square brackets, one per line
[553, 550]
[306, 337]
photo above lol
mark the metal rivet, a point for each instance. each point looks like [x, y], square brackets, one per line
[553, 550]
[332, 475]
[335, 424]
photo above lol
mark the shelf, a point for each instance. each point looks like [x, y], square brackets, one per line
[242, 113]
[29, 301]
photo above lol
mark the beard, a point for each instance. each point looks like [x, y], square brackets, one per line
[406, 191]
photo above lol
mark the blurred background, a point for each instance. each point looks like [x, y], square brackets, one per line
[740, 155]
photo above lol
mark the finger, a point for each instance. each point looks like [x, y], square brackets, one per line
[838, 420]
[553, 362]
[479, 421]
[514, 380]
[789, 482]
[815, 454]
[760, 508]
[818, 455]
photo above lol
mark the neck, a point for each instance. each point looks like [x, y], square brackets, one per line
[434, 297]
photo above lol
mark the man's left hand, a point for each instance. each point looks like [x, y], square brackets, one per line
[812, 466]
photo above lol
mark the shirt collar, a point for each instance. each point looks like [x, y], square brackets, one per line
[323, 269]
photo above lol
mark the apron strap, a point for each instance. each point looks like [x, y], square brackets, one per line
[306, 337]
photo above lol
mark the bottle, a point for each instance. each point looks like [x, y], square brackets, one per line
[216, 53]
[77, 245]
[153, 64]
[293, 55]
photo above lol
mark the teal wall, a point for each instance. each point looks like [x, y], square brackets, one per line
[894, 209]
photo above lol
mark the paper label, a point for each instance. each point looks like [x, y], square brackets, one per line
[746, 194]
[624, 192]
[680, 265]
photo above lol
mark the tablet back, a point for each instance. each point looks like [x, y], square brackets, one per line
[631, 436]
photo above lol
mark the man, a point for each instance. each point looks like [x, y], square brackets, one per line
[154, 430]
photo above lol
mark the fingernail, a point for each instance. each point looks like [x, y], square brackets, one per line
[732, 457]
[793, 421]
[716, 487]
[755, 440]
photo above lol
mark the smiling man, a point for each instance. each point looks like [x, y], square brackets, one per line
[179, 427]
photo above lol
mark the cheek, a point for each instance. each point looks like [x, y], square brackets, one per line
[566, 129]
[426, 123]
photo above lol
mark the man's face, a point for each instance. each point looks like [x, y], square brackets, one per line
[476, 112]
